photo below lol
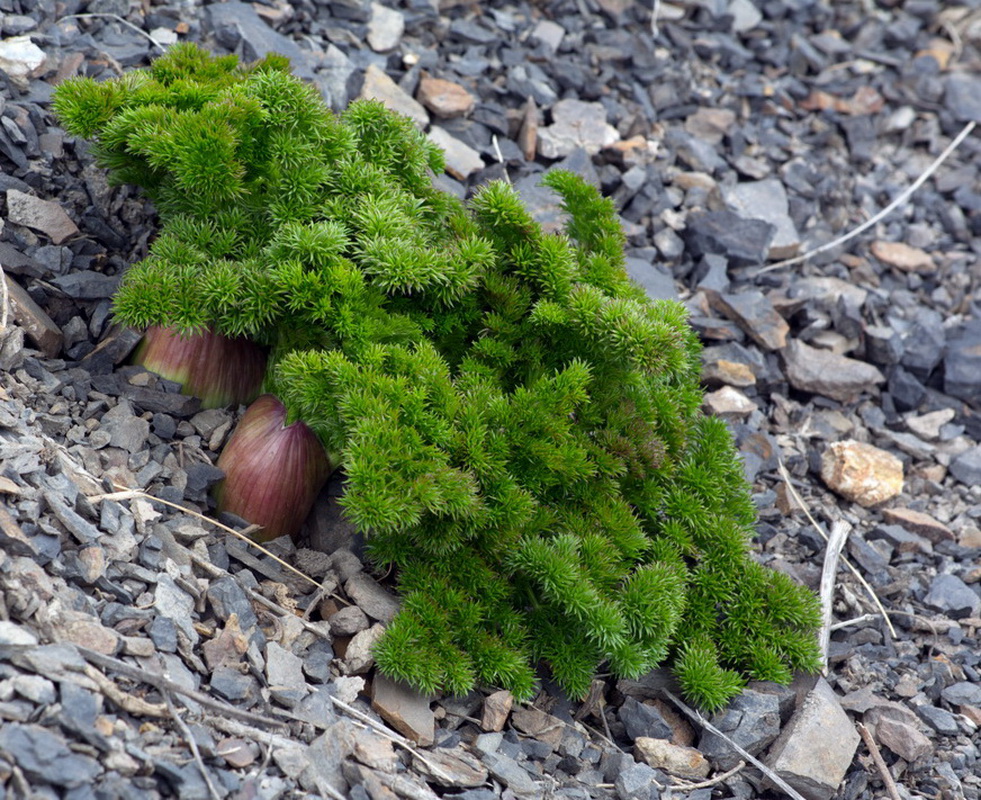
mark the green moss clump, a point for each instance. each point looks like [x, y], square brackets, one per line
[519, 426]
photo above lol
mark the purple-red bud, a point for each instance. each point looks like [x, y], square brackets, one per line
[222, 371]
[273, 471]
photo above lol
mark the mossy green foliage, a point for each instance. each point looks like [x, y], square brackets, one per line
[520, 427]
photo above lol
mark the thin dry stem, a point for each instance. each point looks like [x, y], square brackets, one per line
[125, 493]
[193, 745]
[707, 784]
[121, 21]
[902, 198]
[800, 501]
[836, 541]
[880, 765]
[769, 773]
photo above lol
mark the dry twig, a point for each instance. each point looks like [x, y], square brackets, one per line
[4, 300]
[880, 765]
[837, 539]
[121, 21]
[164, 684]
[129, 703]
[193, 745]
[707, 784]
[769, 773]
[125, 493]
[800, 501]
[902, 198]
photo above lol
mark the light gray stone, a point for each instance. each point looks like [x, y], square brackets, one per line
[461, 159]
[822, 372]
[372, 598]
[378, 86]
[404, 709]
[576, 124]
[171, 601]
[44, 216]
[385, 28]
[815, 749]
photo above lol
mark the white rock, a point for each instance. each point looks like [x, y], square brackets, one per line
[19, 57]
[576, 124]
[385, 28]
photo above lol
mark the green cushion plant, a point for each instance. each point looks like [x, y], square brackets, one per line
[519, 426]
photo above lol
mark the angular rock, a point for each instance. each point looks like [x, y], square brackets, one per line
[643, 719]
[950, 595]
[815, 749]
[962, 96]
[967, 467]
[918, 522]
[44, 216]
[404, 709]
[902, 256]
[378, 86]
[45, 758]
[32, 318]
[444, 98]
[753, 312]
[824, 373]
[21, 59]
[745, 242]
[576, 124]
[348, 621]
[685, 762]
[385, 28]
[461, 159]
[235, 22]
[962, 363]
[372, 598]
[513, 775]
[927, 426]
[752, 721]
[539, 725]
[861, 472]
[359, 659]
[337, 78]
[656, 282]
[497, 706]
[766, 200]
[899, 732]
[635, 782]
[728, 402]
[962, 693]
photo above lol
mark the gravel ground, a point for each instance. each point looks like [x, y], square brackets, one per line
[145, 652]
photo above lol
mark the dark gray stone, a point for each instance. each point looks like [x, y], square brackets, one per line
[752, 721]
[962, 693]
[511, 773]
[640, 719]
[967, 467]
[200, 478]
[906, 391]
[923, 343]
[45, 758]
[883, 345]
[962, 96]
[234, 19]
[87, 285]
[950, 595]
[227, 598]
[636, 782]
[941, 720]
[79, 527]
[232, 684]
[163, 634]
[745, 242]
[962, 363]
